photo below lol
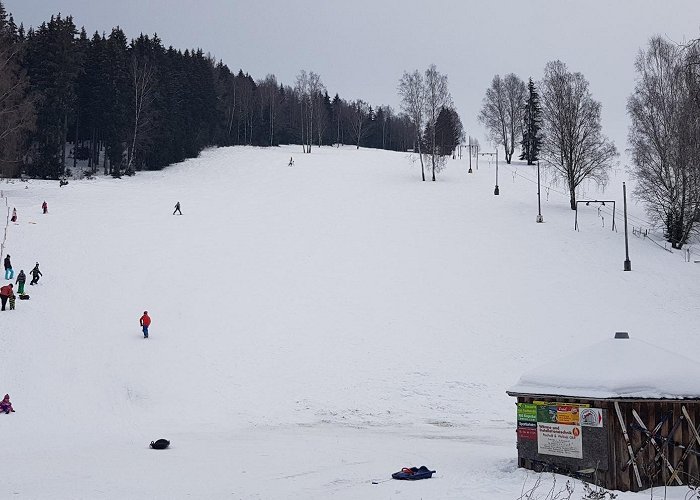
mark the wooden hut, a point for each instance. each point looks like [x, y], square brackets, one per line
[622, 413]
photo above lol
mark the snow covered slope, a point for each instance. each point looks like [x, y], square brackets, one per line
[315, 327]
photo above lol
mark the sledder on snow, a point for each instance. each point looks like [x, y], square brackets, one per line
[6, 406]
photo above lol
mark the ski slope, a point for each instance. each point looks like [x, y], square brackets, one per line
[315, 327]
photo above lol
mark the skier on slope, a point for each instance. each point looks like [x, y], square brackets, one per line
[177, 208]
[35, 274]
[45, 207]
[145, 322]
[14, 215]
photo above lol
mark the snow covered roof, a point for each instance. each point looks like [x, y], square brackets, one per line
[615, 368]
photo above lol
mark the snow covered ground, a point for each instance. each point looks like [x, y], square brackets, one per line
[315, 327]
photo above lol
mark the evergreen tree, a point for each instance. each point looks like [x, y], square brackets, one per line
[135, 105]
[448, 131]
[53, 66]
[530, 145]
[91, 88]
[116, 99]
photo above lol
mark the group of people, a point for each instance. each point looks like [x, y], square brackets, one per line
[44, 209]
[7, 293]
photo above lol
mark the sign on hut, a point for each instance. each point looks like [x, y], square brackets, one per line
[602, 414]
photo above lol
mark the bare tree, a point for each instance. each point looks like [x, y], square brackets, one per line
[316, 89]
[501, 111]
[309, 88]
[573, 141]
[412, 93]
[664, 139]
[301, 87]
[437, 96]
[359, 111]
[17, 107]
[143, 79]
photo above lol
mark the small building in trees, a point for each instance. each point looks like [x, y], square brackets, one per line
[623, 414]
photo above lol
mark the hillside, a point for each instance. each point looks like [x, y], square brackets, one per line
[315, 327]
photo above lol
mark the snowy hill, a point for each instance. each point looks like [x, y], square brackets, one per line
[315, 327]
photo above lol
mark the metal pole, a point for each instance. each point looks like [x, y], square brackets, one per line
[470, 159]
[628, 264]
[495, 191]
[477, 157]
[539, 206]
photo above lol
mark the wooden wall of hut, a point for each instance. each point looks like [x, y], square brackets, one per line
[654, 463]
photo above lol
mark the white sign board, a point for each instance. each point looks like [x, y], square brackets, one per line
[591, 417]
[560, 440]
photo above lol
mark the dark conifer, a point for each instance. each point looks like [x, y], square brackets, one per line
[530, 144]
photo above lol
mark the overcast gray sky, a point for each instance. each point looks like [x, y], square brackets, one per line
[361, 47]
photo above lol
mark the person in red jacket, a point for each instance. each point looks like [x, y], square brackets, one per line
[5, 293]
[145, 322]
[45, 207]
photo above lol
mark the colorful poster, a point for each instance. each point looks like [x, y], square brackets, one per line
[560, 440]
[547, 414]
[527, 412]
[527, 431]
[558, 414]
[567, 415]
[591, 417]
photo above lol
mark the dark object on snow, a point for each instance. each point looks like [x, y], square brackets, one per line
[413, 473]
[6, 406]
[23, 296]
[161, 444]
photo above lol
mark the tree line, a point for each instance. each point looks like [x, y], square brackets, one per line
[562, 127]
[436, 128]
[128, 105]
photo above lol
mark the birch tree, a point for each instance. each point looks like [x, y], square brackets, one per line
[316, 90]
[664, 139]
[501, 111]
[437, 96]
[412, 92]
[574, 145]
[359, 111]
[309, 88]
[143, 78]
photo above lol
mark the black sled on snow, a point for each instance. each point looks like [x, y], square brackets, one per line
[161, 444]
[414, 473]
